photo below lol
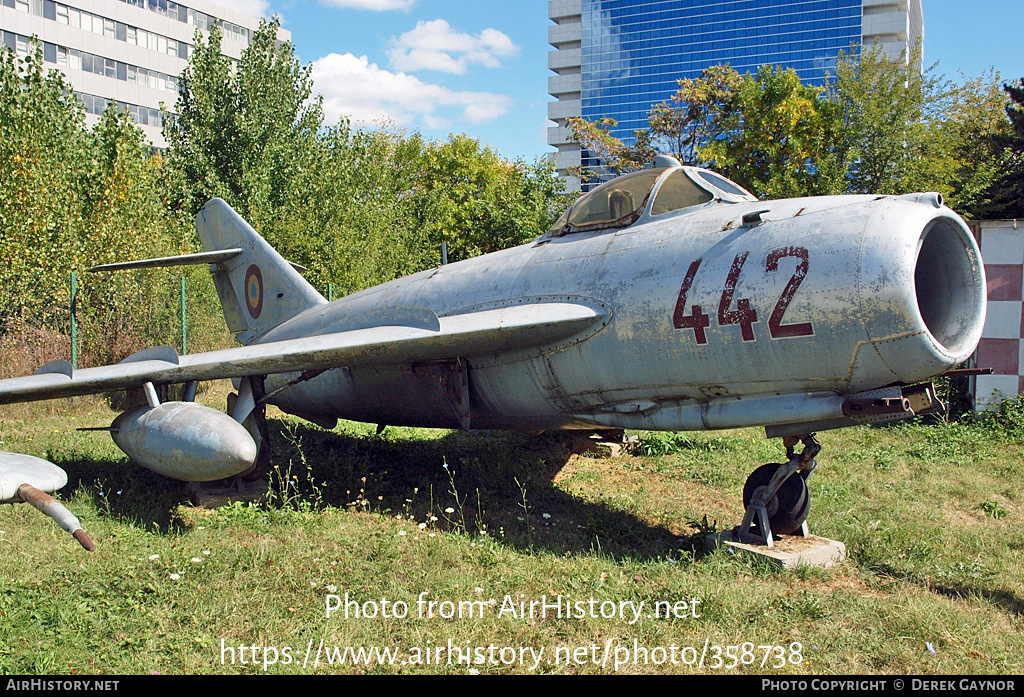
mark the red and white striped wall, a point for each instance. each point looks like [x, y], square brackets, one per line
[1001, 347]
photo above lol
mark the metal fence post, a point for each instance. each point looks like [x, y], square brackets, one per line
[184, 323]
[74, 320]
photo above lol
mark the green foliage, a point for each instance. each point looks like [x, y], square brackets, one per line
[884, 103]
[243, 135]
[45, 162]
[693, 119]
[878, 127]
[1009, 420]
[71, 198]
[616, 156]
[478, 203]
[357, 208]
[780, 139]
[1007, 190]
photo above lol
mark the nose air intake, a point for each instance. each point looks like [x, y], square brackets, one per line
[949, 285]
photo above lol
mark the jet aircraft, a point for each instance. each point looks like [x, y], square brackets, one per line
[666, 299]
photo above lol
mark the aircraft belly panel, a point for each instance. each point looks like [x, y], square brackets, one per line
[431, 395]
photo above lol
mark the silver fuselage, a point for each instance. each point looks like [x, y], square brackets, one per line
[820, 297]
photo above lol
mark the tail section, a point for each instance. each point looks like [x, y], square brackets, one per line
[258, 288]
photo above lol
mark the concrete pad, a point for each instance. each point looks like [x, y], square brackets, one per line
[789, 552]
[204, 496]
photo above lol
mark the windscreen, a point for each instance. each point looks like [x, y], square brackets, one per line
[678, 191]
[617, 203]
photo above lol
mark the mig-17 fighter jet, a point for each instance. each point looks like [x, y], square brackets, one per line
[665, 299]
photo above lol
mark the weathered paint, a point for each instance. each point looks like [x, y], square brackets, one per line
[53, 508]
[853, 324]
[17, 469]
[706, 317]
[185, 441]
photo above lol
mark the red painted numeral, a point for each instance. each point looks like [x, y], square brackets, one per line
[696, 320]
[776, 328]
[743, 315]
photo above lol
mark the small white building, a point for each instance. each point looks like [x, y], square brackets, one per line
[128, 51]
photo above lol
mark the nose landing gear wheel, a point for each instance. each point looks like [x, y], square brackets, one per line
[788, 509]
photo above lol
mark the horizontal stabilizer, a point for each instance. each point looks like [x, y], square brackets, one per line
[458, 336]
[182, 260]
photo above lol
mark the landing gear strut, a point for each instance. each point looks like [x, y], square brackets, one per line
[252, 484]
[776, 497]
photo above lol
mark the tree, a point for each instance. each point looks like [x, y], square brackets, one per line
[477, 202]
[682, 125]
[886, 106]
[781, 138]
[879, 127]
[1007, 190]
[242, 134]
[693, 118]
[913, 131]
[963, 150]
[124, 218]
[45, 163]
[616, 157]
[71, 197]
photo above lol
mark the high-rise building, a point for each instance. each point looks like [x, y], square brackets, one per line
[617, 58]
[127, 51]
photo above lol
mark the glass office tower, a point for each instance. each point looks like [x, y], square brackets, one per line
[617, 58]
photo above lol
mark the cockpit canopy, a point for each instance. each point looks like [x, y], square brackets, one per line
[657, 191]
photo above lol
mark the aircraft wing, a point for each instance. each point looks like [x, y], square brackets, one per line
[472, 334]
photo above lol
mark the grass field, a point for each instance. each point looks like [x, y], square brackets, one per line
[931, 516]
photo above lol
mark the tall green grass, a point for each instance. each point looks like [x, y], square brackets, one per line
[930, 515]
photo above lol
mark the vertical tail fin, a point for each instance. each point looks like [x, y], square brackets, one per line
[258, 288]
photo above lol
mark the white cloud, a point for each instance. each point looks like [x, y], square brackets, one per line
[355, 88]
[374, 5]
[434, 46]
[250, 8]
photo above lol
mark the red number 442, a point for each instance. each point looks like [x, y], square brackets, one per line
[744, 315]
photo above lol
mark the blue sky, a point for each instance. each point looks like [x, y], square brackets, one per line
[480, 67]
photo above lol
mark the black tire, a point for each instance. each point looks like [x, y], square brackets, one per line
[788, 509]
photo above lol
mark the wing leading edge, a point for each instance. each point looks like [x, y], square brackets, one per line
[473, 334]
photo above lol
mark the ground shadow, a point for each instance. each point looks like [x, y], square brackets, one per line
[1006, 601]
[494, 481]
